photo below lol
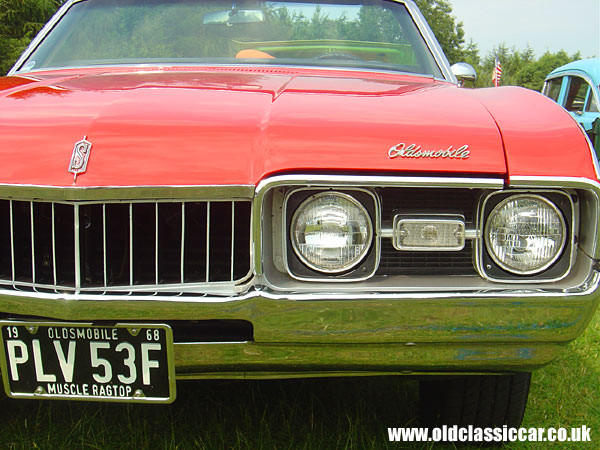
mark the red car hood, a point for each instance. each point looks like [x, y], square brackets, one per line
[228, 126]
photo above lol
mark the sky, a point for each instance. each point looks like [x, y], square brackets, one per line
[572, 25]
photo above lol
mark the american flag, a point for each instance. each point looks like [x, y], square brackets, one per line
[497, 72]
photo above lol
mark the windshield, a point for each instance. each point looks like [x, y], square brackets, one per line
[369, 34]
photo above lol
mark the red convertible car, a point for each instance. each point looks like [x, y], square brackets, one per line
[265, 189]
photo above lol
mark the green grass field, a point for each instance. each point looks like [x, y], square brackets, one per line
[294, 414]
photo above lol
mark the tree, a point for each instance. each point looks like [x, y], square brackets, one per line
[20, 20]
[511, 59]
[532, 75]
[521, 68]
[450, 34]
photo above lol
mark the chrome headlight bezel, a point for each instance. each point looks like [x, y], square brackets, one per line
[302, 269]
[541, 267]
[494, 269]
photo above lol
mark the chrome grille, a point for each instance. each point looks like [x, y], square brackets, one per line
[124, 246]
[394, 262]
[435, 201]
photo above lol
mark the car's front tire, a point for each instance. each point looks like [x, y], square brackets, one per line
[479, 400]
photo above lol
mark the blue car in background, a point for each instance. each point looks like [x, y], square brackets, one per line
[575, 86]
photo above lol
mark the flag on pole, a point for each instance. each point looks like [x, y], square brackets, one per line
[497, 72]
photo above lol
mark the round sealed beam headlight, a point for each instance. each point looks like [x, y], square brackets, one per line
[525, 234]
[331, 232]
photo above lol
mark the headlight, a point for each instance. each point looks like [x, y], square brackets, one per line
[525, 234]
[331, 232]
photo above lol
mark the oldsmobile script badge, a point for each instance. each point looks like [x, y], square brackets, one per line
[80, 157]
[415, 151]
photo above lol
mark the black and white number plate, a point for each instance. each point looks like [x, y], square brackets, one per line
[125, 362]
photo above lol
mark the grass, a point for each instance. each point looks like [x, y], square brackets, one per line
[294, 414]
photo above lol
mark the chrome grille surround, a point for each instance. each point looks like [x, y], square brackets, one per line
[141, 240]
[270, 202]
[397, 272]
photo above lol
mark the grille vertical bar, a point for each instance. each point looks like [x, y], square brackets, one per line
[156, 243]
[232, 238]
[5, 239]
[53, 246]
[22, 241]
[104, 266]
[131, 244]
[77, 251]
[182, 270]
[207, 241]
[12, 242]
[32, 220]
[242, 246]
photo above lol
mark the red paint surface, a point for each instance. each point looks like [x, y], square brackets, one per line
[237, 126]
[540, 138]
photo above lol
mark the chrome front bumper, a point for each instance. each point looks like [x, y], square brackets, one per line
[298, 335]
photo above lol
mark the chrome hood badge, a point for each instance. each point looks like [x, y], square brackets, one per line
[415, 151]
[80, 157]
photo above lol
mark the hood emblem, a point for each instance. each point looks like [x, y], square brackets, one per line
[80, 157]
[415, 151]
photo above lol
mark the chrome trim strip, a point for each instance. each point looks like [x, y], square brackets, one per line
[194, 68]
[430, 40]
[214, 343]
[564, 182]
[106, 194]
[214, 288]
[420, 22]
[376, 181]
[271, 375]
[64, 302]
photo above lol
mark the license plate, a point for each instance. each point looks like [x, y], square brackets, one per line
[123, 363]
